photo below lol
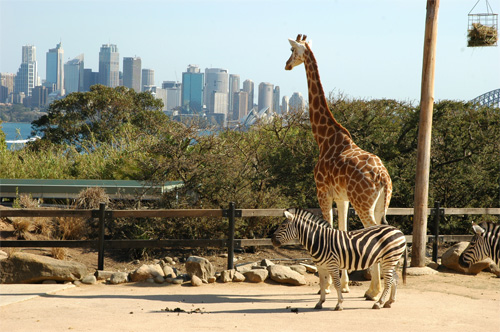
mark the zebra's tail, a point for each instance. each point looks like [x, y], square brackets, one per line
[405, 261]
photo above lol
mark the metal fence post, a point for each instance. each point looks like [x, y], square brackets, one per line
[230, 245]
[437, 215]
[102, 218]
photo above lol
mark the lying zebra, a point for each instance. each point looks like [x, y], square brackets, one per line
[333, 250]
[485, 243]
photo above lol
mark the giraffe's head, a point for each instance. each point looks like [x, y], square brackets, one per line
[298, 52]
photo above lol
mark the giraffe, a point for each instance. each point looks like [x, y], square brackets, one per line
[344, 172]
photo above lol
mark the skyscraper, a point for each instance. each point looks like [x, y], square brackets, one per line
[27, 75]
[6, 85]
[265, 96]
[55, 69]
[74, 75]
[234, 87]
[132, 73]
[240, 104]
[216, 81]
[248, 87]
[284, 105]
[296, 102]
[109, 65]
[276, 100]
[148, 79]
[192, 89]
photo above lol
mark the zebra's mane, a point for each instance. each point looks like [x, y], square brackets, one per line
[309, 217]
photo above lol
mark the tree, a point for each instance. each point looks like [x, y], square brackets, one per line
[98, 115]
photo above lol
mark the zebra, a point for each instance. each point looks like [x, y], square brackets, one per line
[485, 243]
[333, 250]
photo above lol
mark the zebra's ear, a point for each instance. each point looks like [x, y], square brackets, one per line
[478, 229]
[288, 215]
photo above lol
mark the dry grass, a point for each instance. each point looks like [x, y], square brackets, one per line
[59, 253]
[91, 198]
[72, 228]
[27, 202]
[482, 35]
[22, 227]
[43, 226]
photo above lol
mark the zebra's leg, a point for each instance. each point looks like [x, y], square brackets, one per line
[394, 286]
[375, 284]
[343, 209]
[337, 283]
[388, 280]
[325, 280]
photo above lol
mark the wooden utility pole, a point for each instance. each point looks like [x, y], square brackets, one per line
[424, 136]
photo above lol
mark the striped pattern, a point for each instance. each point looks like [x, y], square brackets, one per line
[484, 244]
[333, 250]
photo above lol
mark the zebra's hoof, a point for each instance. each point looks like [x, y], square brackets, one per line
[368, 297]
[376, 306]
[387, 305]
[318, 306]
[345, 290]
[338, 308]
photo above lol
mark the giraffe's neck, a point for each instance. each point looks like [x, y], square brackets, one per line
[324, 126]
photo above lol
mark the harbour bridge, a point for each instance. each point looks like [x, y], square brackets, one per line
[491, 99]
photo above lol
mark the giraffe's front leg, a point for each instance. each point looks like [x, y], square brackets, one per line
[343, 208]
[375, 285]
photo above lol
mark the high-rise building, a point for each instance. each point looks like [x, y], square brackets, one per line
[240, 104]
[148, 79]
[174, 93]
[234, 87]
[89, 78]
[74, 75]
[266, 91]
[27, 75]
[276, 100]
[6, 86]
[216, 81]
[192, 89]
[39, 97]
[132, 68]
[55, 68]
[296, 102]
[284, 105]
[109, 65]
[248, 87]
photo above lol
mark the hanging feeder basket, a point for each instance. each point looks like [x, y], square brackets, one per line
[483, 28]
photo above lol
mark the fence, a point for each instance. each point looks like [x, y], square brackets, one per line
[230, 243]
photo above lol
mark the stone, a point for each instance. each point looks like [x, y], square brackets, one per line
[211, 280]
[450, 260]
[285, 275]
[159, 279]
[169, 271]
[118, 278]
[30, 268]
[196, 281]
[199, 267]
[89, 279]
[256, 275]
[177, 281]
[242, 268]
[299, 268]
[420, 271]
[310, 268]
[169, 260]
[103, 275]
[227, 275]
[266, 263]
[145, 272]
[238, 277]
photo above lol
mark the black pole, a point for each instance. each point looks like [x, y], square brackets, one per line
[230, 245]
[100, 258]
[437, 215]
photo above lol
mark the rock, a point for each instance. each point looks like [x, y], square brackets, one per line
[49, 282]
[118, 278]
[227, 275]
[450, 260]
[310, 268]
[89, 279]
[146, 272]
[420, 271]
[200, 267]
[256, 275]
[433, 265]
[238, 277]
[3, 255]
[169, 260]
[103, 275]
[29, 268]
[211, 280]
[299, 268]
[245, 267]
[286, 275]
[159, 279]
[196, 281]
[266, 263]
[169, 271]
[177, 281]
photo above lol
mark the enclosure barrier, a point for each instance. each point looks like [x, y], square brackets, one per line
[103, 215]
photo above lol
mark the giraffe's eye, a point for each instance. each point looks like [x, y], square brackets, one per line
[291, 49]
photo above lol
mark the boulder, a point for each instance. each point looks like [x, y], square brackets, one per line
[227, 275]
[118, 278]
[285, 275]
[89, 279]
[238, 277]
[146, 272]
[310, 268]
[196, 281]
[169, 271]
[199, 267]
[256, 275]
[103, 275]
[299, 268]
[29, 268]
[450, 260]
[243, 268]
[266, 263]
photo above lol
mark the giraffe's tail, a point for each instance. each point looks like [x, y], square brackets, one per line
[387, 199]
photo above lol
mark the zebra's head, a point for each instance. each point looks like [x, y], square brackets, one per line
[476, 251]
[286, 231]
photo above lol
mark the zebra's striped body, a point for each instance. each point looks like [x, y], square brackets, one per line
[333, 250]
[485, 243]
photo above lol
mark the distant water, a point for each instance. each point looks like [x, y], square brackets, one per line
[16, 131]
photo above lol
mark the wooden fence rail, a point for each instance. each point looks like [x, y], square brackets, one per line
[230, 243]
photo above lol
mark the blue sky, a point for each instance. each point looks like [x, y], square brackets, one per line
[364, 48]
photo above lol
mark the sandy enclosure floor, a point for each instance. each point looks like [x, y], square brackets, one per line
[442, 302]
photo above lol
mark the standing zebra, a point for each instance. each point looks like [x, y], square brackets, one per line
[333, 250]
[485, 243]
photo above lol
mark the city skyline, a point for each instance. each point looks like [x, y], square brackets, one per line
[364, 49]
